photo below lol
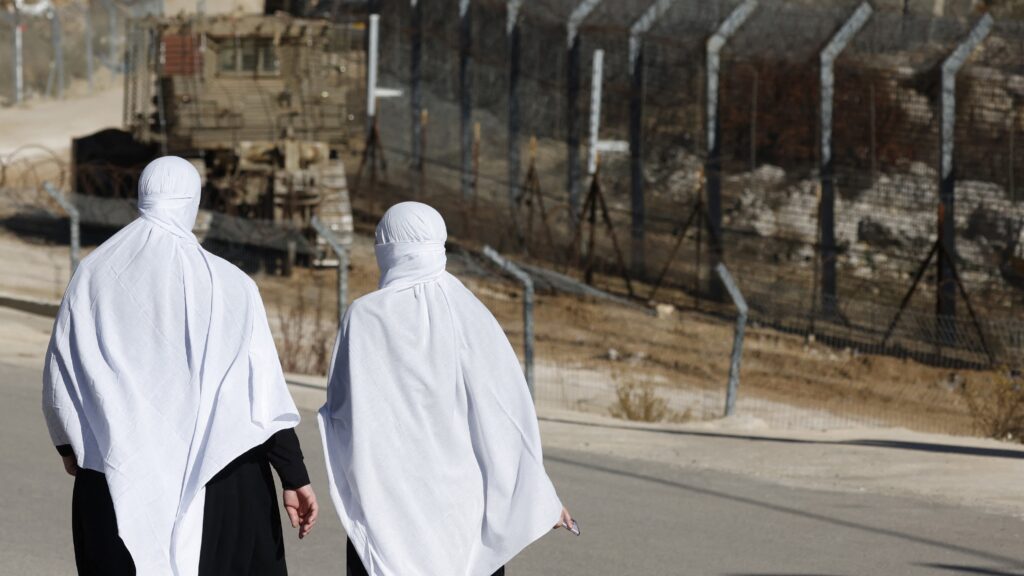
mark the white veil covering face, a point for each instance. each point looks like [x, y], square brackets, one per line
[162, 370]
[432, 444]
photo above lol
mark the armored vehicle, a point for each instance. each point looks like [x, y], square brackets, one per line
[259, 103]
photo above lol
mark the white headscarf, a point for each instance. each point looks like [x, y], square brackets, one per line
[162, 370]
[433, 449]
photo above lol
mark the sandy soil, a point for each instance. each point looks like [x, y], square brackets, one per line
[52, 123]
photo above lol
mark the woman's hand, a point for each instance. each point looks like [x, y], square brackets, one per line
[70, 465]
[565, 520]
[302, 508]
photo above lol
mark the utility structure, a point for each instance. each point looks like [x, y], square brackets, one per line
[574, 127]
[713, 161]
[595, 197]
[826, 208]
[636, 127]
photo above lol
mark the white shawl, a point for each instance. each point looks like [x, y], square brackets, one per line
[433, 449]
[162, 370]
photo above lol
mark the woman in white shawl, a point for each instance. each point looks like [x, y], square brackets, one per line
[432, 444]
[163, 392]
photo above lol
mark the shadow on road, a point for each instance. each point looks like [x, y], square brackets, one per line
[997, 558]
[959, 569]
[893, 444]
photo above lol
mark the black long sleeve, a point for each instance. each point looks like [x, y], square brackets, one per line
[65, 450]
[285, 455]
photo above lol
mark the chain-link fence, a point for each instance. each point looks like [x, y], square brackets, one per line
[493, 120]
[843, 331]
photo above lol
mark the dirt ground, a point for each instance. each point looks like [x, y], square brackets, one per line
[587, 348]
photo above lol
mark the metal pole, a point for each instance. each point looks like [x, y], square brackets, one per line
[156, 45]
[1012, 143]
[572, 139]
[826, 211]
[753, 122]
[19, 69]
[88, 46]
[636, 163]
[342, 285]
[512, 26]
[416, 89]
[597, 72]
[341, 252]
[73, 216]
[465, 96]
[636, 135]
[528, 330]
[128, 66]
[58, 50]
[371, 72]
[573, 136]
[737, 343]
[713, 163]
[112, 33]
[946, 289]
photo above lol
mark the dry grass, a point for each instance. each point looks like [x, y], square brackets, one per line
[639, 402]
[997, 407]
[304, 334]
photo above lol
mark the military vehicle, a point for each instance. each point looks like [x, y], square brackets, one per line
[259, 103]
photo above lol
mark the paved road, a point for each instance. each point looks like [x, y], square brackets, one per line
[637, 518]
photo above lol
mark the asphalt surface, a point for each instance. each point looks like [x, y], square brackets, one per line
[636, 518]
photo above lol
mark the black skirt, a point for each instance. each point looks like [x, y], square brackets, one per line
[241, 520]
[354, 566]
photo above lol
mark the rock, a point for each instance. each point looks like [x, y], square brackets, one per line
[663, 310]
[876, 234]
[613, 355]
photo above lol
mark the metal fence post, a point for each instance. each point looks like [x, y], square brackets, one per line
[19, 69]
[342, 253]
[416, 89]
[636, 131]
[596, 85]
[713, 163]
[88, 46]
[573, 125]
[826, 210]
[737, 343]
[521, 275]
[512, 27]
[73, 216]
[946, 289]
[58, 50]
[112, 29]
[371, 72]
[465, 96]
